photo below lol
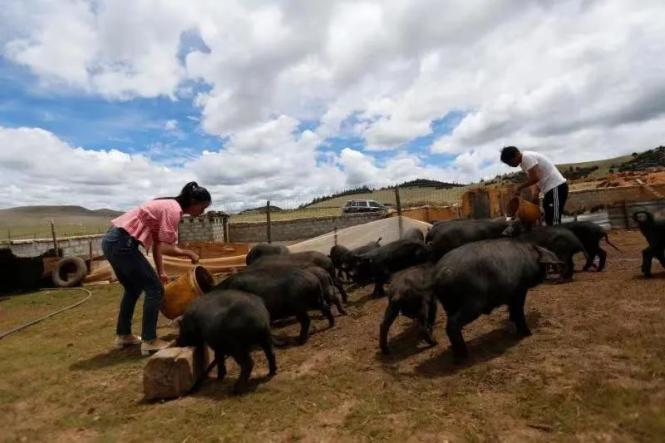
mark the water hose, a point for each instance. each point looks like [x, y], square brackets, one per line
[33, 322]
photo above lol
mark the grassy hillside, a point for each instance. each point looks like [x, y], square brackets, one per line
[34, 221]
[604, 166]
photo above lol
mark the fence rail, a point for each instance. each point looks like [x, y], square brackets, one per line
[621, 215]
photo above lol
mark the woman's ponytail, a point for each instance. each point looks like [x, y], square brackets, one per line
[191, 193]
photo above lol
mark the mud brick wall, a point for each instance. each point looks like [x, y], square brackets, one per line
[299, 229]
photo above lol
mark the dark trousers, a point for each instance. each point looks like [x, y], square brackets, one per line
[136, 275]
[553, 204]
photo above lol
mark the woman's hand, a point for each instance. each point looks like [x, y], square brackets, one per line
[163, 277]
[194, 257]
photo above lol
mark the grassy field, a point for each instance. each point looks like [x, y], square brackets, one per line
[594, 370]
[35, 222]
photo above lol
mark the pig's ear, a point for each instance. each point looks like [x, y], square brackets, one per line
[547, 257]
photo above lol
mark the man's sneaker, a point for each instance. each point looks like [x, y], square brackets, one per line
[122, 341]
[151, 346]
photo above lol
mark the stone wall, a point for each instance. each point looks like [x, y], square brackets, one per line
[299, 229]
[70, 246]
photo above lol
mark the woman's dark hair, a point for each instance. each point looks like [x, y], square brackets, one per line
[508, 153]
[191, 193]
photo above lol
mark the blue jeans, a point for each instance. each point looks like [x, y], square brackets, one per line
[136, 275]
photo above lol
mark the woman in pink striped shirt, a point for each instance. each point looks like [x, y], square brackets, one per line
[154, 225]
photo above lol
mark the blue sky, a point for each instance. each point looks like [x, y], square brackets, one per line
[137, 125]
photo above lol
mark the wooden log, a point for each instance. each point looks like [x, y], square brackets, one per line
[173, 372]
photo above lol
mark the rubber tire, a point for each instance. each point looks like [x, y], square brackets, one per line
[77, 276]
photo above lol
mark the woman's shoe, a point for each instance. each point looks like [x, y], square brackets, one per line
[152, 346]
[122, 341]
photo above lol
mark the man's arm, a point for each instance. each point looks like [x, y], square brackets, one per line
[533, 178]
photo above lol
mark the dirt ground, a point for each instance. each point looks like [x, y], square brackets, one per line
[594, 370]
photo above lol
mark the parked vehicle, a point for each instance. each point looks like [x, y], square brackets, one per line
[356, 206]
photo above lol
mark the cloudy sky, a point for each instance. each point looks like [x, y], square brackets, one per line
[108, 103]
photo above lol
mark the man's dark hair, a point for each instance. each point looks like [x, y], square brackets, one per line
[508, 153]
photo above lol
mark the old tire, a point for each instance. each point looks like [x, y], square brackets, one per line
[69, 271]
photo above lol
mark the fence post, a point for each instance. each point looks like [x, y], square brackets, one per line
[268, 233]
[90, 255]
[225, 228]
[398, 203]
[335, 235]
[55, 240]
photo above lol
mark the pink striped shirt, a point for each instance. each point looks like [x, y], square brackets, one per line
[157, 219]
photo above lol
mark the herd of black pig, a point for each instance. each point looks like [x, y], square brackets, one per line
[470, 267]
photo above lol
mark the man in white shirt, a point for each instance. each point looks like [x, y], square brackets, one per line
[540, 170]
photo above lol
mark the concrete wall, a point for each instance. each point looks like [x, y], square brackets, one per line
[300, 229]
[69, 246]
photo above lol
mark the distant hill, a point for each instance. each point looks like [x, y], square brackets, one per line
[57, 211]
[107, 212]
[427, 183]
[261, 210]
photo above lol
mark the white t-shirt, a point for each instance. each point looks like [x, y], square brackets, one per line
[550, 177]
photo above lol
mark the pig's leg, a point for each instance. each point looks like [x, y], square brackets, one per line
[392, 311]
[266, 345]
[465, 315]
[246, 365]
[220, 358]
[304, 320]
[516, 309]
[424, 319]
[647, 256]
